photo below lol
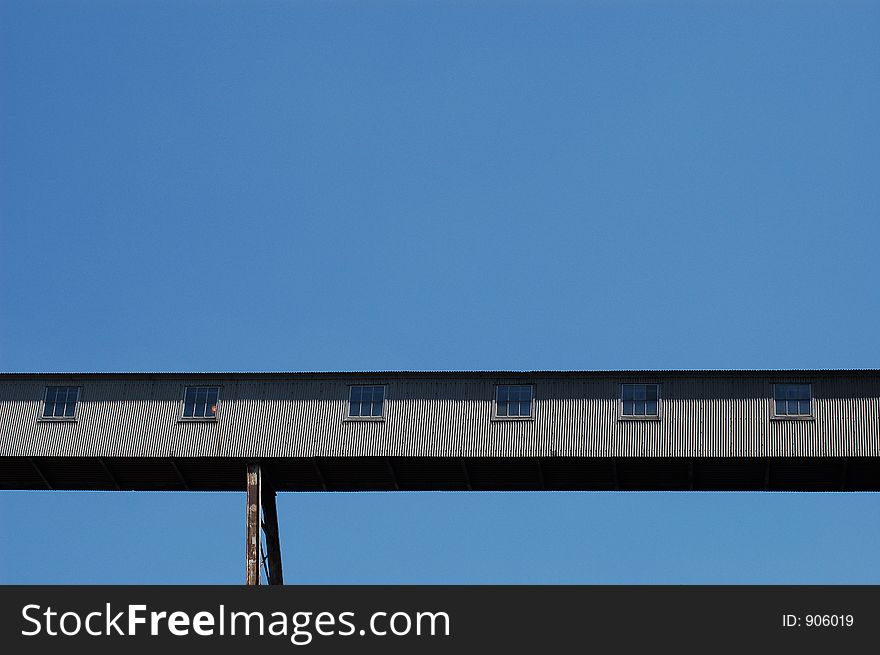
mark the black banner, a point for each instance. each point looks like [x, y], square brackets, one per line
[440, 619]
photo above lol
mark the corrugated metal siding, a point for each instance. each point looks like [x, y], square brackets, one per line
[725, 415]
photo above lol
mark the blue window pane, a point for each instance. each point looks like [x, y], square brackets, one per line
[627, 392]
[366, 400]
[804, 407]
[639, 392]
[804, 392]
[651, 392]
[211, 401]
[639, 408]
[780, 408]
[651, 408]
[628, 408]
[513, 400]
[69, 409]
[200, 402]
[55, 399]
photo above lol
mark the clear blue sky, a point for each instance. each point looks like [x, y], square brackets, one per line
[456, 185]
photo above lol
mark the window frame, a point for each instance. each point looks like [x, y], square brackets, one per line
[60, 419]
[532, 402]
[200, 419]
[640, 417]
[348, 417]
[792, 417]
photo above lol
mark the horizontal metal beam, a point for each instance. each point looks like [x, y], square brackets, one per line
[449, 473]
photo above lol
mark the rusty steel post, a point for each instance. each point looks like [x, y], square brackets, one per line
[273, 541]
[253, 525]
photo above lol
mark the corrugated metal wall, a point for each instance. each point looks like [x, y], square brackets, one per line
[718, 416]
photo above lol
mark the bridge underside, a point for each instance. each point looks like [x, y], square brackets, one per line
[445, 473]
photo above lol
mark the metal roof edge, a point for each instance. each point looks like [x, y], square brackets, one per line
[409, 374]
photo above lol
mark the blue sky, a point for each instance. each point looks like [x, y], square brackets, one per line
[393, 185]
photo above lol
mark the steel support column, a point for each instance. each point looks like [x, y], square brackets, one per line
[273, 542]
[252, 547]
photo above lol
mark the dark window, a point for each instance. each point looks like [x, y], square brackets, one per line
[792, 399]
[366, 401]
[201, 402]
[60, 402]
[641, 399]
[513, 400]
